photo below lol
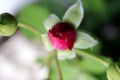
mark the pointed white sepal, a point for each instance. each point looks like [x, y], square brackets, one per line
[84, 41]
[74, 14]
[51, 21]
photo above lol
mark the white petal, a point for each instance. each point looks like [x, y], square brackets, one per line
[84, 41]
[51, 21]
[65, 54]
[46, 42]
[74, 14]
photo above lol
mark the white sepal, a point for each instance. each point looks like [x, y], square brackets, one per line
[74, 14]
[66, 54]
[51, 21]
[84, 41]
[46, 42]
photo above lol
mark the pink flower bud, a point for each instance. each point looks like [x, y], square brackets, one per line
[62, 36]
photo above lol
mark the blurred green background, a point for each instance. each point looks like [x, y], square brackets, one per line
[101, 19]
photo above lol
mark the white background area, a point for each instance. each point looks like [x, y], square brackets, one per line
[12, 6]
[18, 55]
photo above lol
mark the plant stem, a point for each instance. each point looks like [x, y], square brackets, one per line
[58, 68]
[87, 55]
[26, 26]
[49, 62]
[50, 58]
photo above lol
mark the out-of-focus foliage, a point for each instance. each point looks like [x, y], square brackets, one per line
[34, 15]
[92, 66]
[71, 71]
[113, 71]
[58, 6]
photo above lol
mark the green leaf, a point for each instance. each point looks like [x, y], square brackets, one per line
[51, 21]
[71, 72]
[33, 15]
[92, 66]
[74, 14]
[84, 41]
[46, 42]
[85, 76]
[7, 19]
[7, 30]
[113, 71]
[40, 61]
[65, 54]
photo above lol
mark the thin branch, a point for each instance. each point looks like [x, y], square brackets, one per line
[93, 57]
[60, 77]
[26, 26]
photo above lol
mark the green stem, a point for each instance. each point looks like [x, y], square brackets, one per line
[87, 55]
[50, 58]
[26, 26]
[58, 68]
[49, 62]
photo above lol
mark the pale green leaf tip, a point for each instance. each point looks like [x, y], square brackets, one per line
[74, 14]
[51, 21]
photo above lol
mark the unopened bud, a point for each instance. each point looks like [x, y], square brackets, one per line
[113, 72]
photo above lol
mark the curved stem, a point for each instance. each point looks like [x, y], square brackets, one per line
[34, 30]
[49, 62]
[87, 55]
[50, 58]
[58, 68]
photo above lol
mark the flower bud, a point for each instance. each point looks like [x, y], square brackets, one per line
[8, 24]
[62, 36]
[113, 72]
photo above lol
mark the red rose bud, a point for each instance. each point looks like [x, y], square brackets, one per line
[62, 36]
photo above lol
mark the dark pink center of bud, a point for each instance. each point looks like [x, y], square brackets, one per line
[62, 36]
